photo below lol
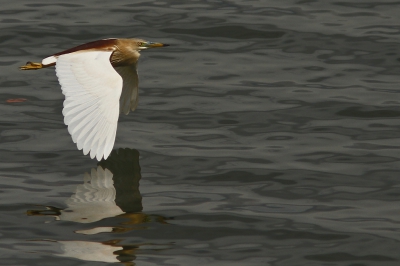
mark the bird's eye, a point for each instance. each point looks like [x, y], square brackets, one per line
[139, 43]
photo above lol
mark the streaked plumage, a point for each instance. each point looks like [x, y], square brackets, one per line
[99, 80]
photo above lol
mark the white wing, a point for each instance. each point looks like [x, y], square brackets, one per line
[130, 91]
[92, 89]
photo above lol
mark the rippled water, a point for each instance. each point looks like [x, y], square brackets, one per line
[266, 134]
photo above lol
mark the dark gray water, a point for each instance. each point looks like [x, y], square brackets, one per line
[266, 134]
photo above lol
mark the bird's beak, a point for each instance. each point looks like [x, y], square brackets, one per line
[153, 44]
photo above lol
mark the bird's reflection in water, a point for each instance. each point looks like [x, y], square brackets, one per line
[108, 251]
[110, 190]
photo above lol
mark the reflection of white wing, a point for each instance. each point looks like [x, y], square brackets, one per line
[93, 200]
[92, 89]
[96, 230]
[89, 251]
[130, 91]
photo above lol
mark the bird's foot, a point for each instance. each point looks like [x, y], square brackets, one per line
[31, 66]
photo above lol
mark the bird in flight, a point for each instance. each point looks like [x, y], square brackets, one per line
[99, 80]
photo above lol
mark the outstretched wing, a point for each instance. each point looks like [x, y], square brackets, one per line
[92, 89]
[130, 91]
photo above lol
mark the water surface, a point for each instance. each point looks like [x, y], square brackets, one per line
[266, 134]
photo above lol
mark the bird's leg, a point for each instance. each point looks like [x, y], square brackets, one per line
[31, 66]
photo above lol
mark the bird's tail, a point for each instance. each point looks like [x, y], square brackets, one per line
[31, 66]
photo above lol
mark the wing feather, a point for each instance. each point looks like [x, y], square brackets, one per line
[130, 91]
[92, 90]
